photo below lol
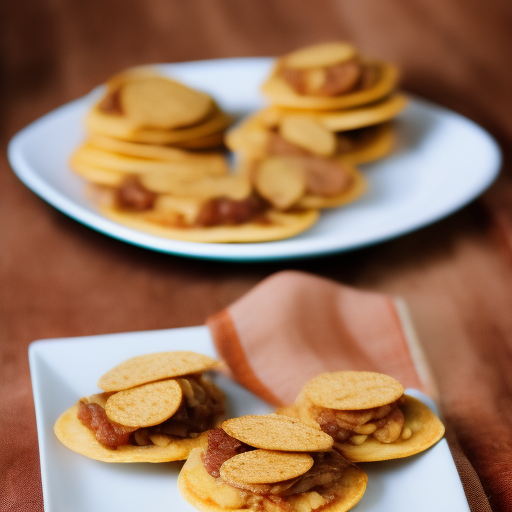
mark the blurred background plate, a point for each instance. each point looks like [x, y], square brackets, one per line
[442, 162]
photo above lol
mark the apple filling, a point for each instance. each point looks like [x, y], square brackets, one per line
[384, 423]
[201, 406]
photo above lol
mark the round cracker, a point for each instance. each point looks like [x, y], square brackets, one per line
[184, 137]
[341, 120]
[353, 390]
[146, 405]
[358, 188]
[282, 225]
[280, 93]
[426, 430]
[119, 127]
[360, 117]
[307, 133]
[274, 432]
[163, 103]
[264, 467]
[77, 437]
[104, 159]
[152, 367]
[202, 490]
[319, 55]
[280, 181]
[153, 151]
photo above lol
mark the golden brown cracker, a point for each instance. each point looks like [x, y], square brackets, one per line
[187, 207]
[208, 494]
[163, 103]
[280, 225]
[351, 390]
[130, 75]
[250, 138]
[104, 159]
[152, 151]
[275, 432]
[367, 115]
[308, 134]
[340, 120]
[153, 367]
[280, 180]
[265, 467]
[282, 94]
[289, 410]
[98, 122]
[146, 405]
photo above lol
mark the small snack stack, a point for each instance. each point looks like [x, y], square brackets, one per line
[146, 122]
[268, 463]
[330, 110]
[149, 158]
[367, 414]
[208, 209]
[154, 408]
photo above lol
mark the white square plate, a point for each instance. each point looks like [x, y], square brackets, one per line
[64, 370]
[442, 162]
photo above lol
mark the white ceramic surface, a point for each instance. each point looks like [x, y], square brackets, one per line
[64, 370]
[442, 162]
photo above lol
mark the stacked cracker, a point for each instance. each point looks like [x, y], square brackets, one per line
[154, 408]
[146, 122]
[367, 414]
[269, 463]
[149, 155]
[330, 109]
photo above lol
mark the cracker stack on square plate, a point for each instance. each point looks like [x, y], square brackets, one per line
[270, 463]
[367, 414]
[153, 408]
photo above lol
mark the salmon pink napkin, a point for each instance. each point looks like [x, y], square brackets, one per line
[293, 326]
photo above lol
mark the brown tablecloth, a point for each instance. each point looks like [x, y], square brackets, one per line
[59, 278]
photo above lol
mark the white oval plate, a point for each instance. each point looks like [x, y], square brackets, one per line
[442, 162]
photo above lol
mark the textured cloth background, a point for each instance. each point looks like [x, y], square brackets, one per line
[58, 278]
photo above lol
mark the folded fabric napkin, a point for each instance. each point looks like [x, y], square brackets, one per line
[293, 326]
